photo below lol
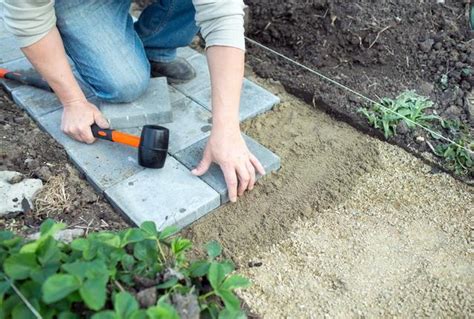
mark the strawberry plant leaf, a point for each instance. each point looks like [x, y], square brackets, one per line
[216, 274]
[94, 292]
[232, 314]
[168, 232]
[149, 229]
[59, 286]
[234, 282]
[230, 300]
[67, 315]
[19, 266]
[132, 235]
[105, 315]
[162, 311]
[199, 268]
[168, 284]
[124, 305]
[213, 249]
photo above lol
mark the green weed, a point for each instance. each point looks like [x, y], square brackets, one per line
[387, 114]
[457, 158]
[98, 276]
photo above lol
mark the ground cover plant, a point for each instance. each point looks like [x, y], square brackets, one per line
[134, 273]
[410, 109]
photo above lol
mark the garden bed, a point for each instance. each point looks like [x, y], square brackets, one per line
[379, 49]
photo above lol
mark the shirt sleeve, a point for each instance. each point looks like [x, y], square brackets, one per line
[221, 22]
[29, 20]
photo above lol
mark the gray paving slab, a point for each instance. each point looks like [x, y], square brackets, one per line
[153, 107]
[9, 50]
[254, 100]
[20, 65]
[202, 80]
[191, 156]
[104, 163]
[168, 196]
[35, 101]
[191, 123]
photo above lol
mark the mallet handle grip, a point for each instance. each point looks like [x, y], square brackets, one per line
[25, 79]
[115, 136]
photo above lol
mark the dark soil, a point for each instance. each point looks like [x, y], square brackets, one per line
[26, 149]
[378, 48]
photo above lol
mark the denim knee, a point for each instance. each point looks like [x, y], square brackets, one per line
[124, 88]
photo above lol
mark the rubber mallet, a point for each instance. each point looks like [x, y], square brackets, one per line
[32, 80]
[152, 144]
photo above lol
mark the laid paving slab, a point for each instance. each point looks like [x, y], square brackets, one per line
[35, 101]
[104, 163]
[191, 156]
[254, 100]
[153, 107]
[9, 50]
[202, 80]
[168, 196]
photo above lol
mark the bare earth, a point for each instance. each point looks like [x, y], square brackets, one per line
[349, 227]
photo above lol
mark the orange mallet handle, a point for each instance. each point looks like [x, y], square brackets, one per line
[115, 136]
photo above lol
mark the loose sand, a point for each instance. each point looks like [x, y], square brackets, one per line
[350, 226]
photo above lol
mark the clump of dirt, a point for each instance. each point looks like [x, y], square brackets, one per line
[377, 48]
[66, 196]
[321, 162]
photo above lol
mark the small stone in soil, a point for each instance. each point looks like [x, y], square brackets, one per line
[147, 297]
[426, 45]
[402, 128]
[44, 173]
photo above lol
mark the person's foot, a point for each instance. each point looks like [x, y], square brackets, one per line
[177, 71]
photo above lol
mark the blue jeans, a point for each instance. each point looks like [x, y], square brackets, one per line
[110, 53]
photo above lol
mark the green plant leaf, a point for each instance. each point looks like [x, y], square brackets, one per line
[199, 268]
[49, 228]
[168, 232]
[48, 252]
[19, 266]
[216, 274]
[105, 315]
[232, 314]
[230, 300]
[67, 315]
[132, 235]
[59, 286]
[149, 228]
[124, 305]
[94, 292]
[214, 249]
[80, 244]
[234, 282]
[108, 238]
[162, 311]
[168, 284]
[180, 245]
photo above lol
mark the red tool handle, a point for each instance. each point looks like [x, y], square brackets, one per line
[115, 136]
[25, 79]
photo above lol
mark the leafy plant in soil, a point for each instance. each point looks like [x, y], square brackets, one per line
[388, 113]
[457, 159]
[134, 273]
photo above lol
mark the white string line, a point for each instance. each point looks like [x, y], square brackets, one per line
[25, 301]
[357, 93]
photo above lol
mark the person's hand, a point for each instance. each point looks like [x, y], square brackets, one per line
[238, 165]
[78, 116]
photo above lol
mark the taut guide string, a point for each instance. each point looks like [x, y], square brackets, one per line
[356, 93]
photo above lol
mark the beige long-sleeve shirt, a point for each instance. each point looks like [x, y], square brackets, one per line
[221, 21]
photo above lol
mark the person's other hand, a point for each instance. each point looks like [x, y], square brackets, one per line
[238, 165]
[78, 116]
